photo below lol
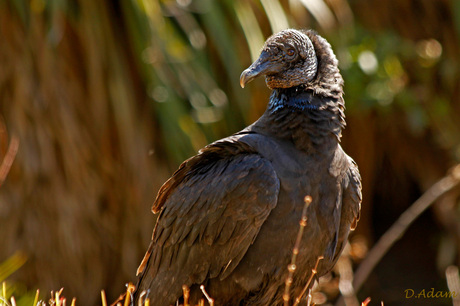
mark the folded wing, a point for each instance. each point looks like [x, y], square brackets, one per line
[211, 211]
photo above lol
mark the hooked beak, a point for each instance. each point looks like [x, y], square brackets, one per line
[262, 66]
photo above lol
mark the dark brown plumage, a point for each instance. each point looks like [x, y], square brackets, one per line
[229, 216]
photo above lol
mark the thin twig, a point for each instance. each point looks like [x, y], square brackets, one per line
[309, 297]
[103, 297]
[295, 251]
[129, 291]
[9, 158]
[140, 301]
[4, 301]
[186, 291]
[397, 230]
[36, 298]
[345, 269]
[453, 283]
[58, 297]
[3, 292]
[314, 271]
[210, 299]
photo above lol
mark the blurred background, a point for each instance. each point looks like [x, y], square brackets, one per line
[100, 101]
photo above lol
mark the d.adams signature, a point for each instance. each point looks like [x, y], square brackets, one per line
[429, 294]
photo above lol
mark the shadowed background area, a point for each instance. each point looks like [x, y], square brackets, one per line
[106, 98]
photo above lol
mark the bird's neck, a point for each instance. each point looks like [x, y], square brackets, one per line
[313, 122]
[293, 99]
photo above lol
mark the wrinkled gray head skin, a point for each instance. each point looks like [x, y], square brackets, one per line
[287, 60]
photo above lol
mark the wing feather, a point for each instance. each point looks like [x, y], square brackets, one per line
[346, 213]
[353, 192]
[211, 212]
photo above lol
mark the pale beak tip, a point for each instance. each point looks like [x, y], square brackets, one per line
[243, 79]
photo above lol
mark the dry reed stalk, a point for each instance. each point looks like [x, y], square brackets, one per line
[129, 291]
[140, 302]
[37, 294]
[453, 283]
[309, 298]
[210, 299]
[396, 231]
[127, 299]
[82, 118]
[3, 297]
[8, 159]
[104, 298]
[58, 298]
[186, 291]
[314, 271]
[295, 251]
[345, 269]
[366, 302]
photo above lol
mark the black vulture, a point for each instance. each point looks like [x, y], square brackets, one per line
[229, 216]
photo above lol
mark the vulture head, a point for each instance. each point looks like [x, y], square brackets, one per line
[288, 59]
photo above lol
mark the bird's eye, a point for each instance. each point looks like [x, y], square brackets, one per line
[290, 52]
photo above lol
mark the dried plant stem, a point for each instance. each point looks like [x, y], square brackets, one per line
[9, 158]
[186, 291]
[140, 301]
[3, 291]
[103, 297]
[314, 271]
[37, 294]
[129, 292]
[58, 297]
[309, 298]
[127, 299]
[396, 231]
[292, 266]
[345, 270]
[366, 301]
[210, 299]
[453, 283]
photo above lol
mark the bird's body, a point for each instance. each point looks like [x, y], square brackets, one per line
[229, 216]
